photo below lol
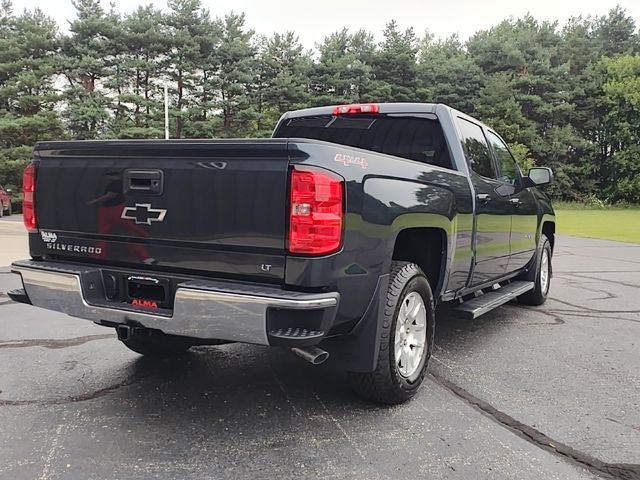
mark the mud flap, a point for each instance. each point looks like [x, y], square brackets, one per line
[358, 351]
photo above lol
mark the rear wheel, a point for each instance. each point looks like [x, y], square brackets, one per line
[9, 209]
[406, 339]
[540, 275]
[157, 345]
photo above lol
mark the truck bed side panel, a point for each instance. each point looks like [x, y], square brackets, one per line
[383, 197]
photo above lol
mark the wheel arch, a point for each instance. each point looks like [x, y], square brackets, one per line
[548, 228]
[427, 248]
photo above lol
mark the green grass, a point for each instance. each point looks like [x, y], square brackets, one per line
[622, 224]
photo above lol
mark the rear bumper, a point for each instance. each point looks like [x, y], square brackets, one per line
[204, 310]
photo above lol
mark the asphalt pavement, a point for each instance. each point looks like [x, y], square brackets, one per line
[551, 392]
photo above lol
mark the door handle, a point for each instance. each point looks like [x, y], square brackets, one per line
[515, 202]
[483, 197]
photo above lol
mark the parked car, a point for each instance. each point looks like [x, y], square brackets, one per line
[5, 201]
[339, 236]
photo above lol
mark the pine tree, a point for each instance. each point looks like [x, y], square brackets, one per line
[84, 64]
[344, 71]
[186, 28]
[283, 79]
[138, 47]
[236, 77]
[28, 48]
[395, 64]
[446, 74]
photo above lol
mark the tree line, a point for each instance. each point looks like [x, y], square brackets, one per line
[565, 96]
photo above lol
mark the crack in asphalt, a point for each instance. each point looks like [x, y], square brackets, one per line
[577, 284]
[573, 313]
[621, 471]
[625, 260]
[623, 424]
[600, 279]
[54, 343]
[78, 398]
[590, 309]
[557, 319]
[619, 244]
[595, 271]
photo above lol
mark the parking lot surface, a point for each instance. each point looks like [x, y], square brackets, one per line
[550, 392]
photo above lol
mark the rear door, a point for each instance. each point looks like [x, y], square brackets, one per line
[524, 211]
[493, 210]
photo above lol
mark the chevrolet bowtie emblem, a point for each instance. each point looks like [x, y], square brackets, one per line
[143, 214]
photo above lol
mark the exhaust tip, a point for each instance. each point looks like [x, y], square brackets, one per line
[313, 355]
[321, 358]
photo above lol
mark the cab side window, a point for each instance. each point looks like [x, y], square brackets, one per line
[509, 171]
[476, 149]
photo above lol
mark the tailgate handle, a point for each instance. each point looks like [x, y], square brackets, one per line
[144, 181]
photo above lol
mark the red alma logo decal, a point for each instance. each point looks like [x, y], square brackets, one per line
[138, 302]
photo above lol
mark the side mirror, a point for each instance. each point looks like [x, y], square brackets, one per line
[540, 176]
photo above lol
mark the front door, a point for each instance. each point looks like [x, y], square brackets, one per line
[493, 210]
[524, 211]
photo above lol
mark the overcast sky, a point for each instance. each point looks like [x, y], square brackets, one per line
[313, 20]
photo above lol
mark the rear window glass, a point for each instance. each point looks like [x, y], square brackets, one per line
[419, 139]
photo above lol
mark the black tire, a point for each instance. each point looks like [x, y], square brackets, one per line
[386, 384]
[157, 345]
[9, 210]
[539, 294]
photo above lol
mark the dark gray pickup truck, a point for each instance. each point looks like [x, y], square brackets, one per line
[338, 236]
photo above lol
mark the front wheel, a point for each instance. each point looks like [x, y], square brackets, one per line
[157, 345]
[406, 339]
[540, 276]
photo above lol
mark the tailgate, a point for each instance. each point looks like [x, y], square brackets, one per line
[199, 206]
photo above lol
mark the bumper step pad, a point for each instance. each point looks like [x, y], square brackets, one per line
[19, 295]
[296, 333]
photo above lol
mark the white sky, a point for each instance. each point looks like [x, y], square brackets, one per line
[313, 20]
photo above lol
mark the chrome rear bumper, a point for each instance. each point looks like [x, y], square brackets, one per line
[207, 310]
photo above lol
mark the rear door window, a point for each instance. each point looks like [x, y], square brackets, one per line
[476, 149]
[509, 171]
[419, 139]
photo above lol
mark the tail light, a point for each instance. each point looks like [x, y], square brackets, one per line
[317, 211]
[28, 203]
[356, 108]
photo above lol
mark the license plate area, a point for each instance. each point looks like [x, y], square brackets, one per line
[148, 292]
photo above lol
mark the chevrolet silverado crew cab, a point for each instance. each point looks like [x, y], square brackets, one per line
[338, 236]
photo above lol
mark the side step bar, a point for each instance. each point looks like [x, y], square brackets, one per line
[486, 302]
